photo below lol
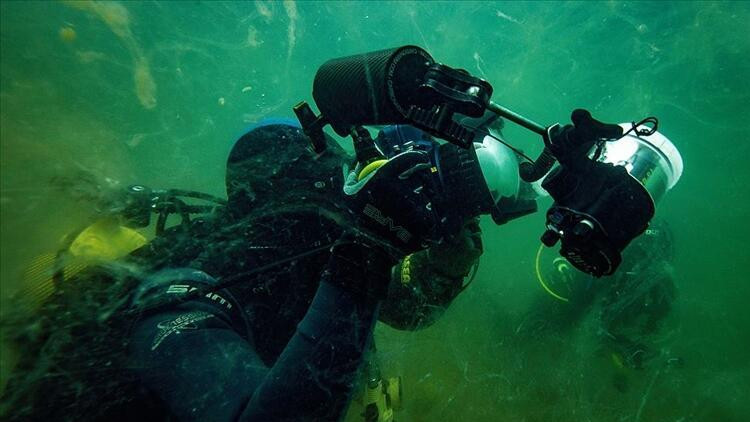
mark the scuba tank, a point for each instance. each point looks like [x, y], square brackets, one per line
[108, 238]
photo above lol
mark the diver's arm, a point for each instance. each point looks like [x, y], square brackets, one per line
[314, 376]
[199, 359]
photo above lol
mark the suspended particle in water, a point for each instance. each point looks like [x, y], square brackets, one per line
[90, 56]
[222, 101]
[479, 62]
[135, 140]
[263, 10]
[145, 87]
[252, 37]
[247, 89]
[117, 18]
[291, 11]
[67, 34]
[506, 17]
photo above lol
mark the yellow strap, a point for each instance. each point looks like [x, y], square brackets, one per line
[370, 168]
[541, 279]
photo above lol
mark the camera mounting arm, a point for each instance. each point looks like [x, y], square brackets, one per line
[406, 86]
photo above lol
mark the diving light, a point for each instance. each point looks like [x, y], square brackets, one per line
[652, 160]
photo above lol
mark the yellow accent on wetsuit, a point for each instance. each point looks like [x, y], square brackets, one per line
[406, 270]
[370, 168]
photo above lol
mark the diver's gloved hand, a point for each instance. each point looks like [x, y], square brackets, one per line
[571, 143]
[454, 257]
[393, 205]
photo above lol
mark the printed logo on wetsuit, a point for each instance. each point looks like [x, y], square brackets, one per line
[186, 288]
[180, 289]
[183, 322]
[374, 213]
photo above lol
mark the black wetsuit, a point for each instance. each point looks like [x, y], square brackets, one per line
[282, 344]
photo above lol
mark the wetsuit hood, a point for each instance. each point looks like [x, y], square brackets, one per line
[273, 164]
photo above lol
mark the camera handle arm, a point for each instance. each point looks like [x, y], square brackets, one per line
[568, 145]
[529, 171]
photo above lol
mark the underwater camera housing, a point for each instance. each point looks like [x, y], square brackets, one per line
[605, 187]
[605, 199]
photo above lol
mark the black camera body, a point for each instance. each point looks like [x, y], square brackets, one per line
[599, 208]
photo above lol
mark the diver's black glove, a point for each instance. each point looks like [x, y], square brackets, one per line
[393, 206]
[570, 144]
[454, 257]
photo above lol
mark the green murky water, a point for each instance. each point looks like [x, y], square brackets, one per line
[156, 93]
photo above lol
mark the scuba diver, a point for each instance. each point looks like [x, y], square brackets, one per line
[630, 305]
[263, 308]
[273, 330]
